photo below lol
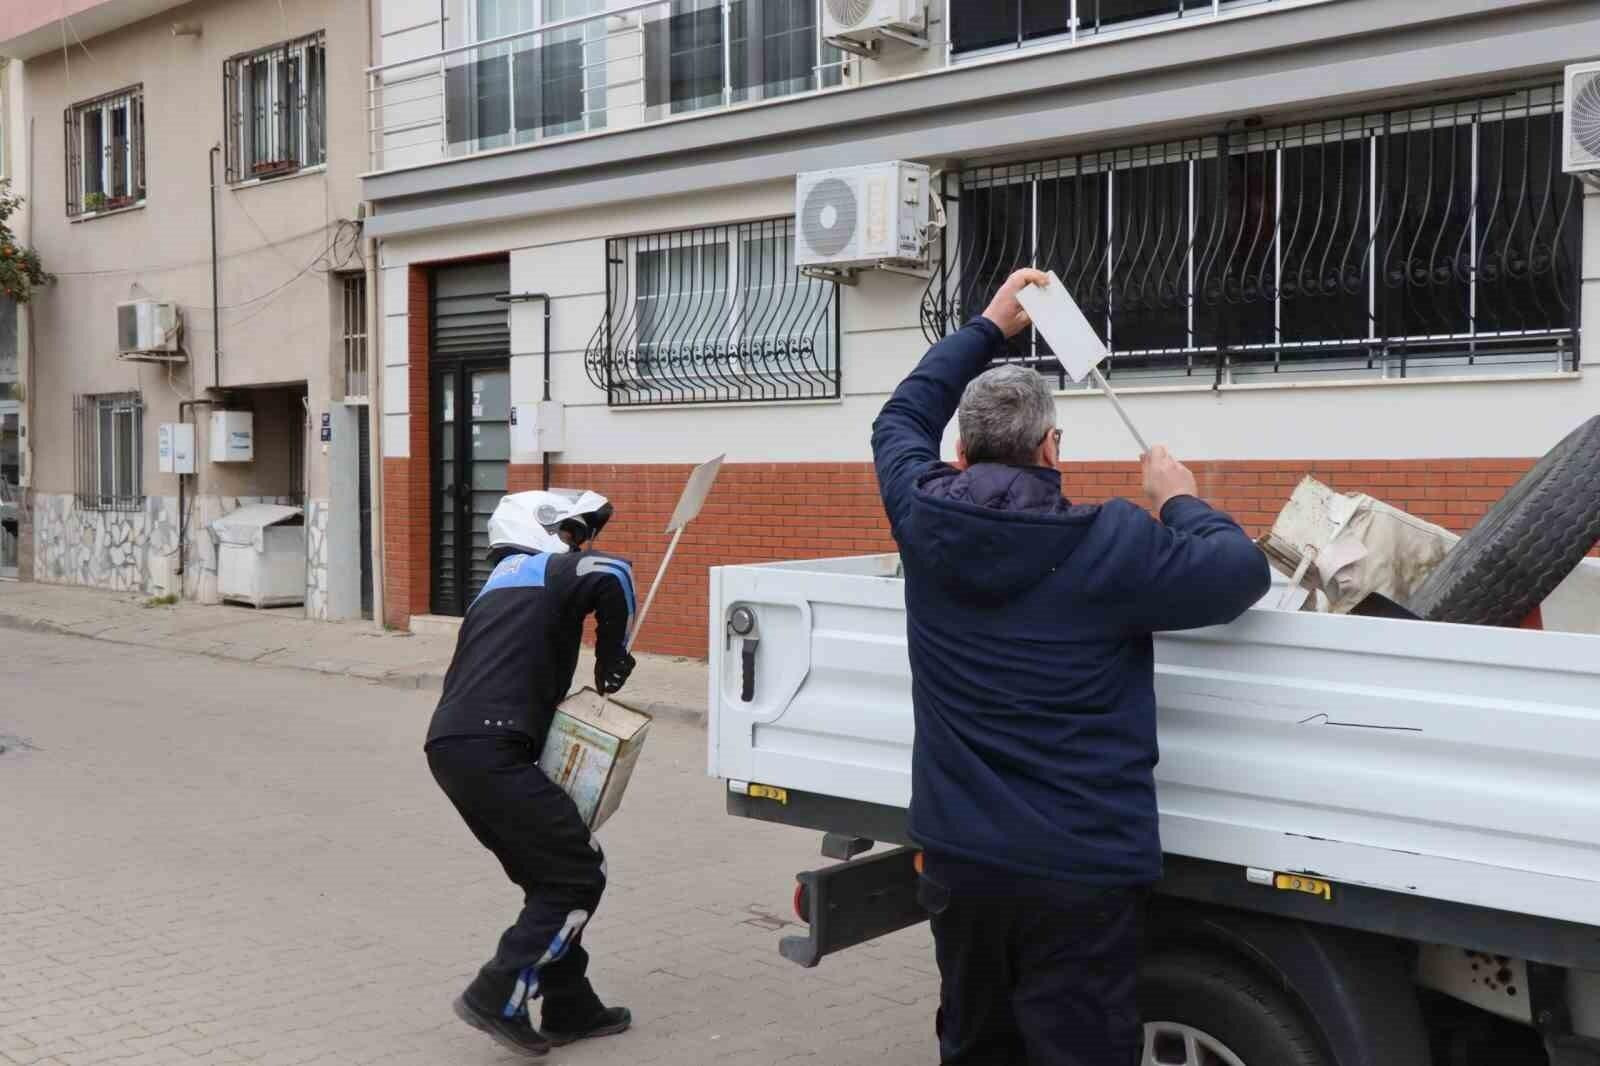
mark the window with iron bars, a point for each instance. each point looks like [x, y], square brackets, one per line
[109, 451]
[105, 153]
[717, 314]
[353, 300]
[276, 107]
[1435, 240]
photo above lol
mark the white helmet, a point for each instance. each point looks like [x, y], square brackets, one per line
[533, 521]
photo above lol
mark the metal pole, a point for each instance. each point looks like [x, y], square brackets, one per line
[1105, 387]
[216, 280]
[727, 52]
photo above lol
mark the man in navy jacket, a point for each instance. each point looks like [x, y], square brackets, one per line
[1029, 621]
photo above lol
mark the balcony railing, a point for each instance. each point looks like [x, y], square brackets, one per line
[632, 64]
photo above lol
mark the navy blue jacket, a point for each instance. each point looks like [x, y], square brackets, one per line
[1029, 621]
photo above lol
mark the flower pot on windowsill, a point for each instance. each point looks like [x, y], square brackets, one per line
[94, 203]
[273, 168]
[116, 202]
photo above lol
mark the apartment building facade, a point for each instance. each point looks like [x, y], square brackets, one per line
[1326, 237]
[194, 185]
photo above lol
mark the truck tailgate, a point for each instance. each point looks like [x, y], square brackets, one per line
[1454, 762]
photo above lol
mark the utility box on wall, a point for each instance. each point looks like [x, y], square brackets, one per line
[176, 448]
[233, 438]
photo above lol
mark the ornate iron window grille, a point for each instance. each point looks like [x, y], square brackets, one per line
[1407, 242]
[717, 314]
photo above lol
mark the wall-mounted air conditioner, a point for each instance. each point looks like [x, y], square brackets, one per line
[863, 217]
[858, 25]
[1581, 136]
[145, 326]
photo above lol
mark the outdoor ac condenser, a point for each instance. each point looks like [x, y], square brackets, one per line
[147, 326]
[1581, 128]
[864, 216]
[862, 21]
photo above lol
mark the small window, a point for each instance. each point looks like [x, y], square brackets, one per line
[353, 296]
[110, 452]
[715, 315]
[276, 100]
[105, 153]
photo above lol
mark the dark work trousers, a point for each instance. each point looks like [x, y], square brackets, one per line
[536, 832]
[1033, 972]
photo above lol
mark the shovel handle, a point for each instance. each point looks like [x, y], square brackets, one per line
[655, 586]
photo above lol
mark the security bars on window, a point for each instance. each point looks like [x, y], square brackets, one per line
[353, 299]
[108, 451]
[1436, 240]
[105, 153]
[714, 315]
[276, 106]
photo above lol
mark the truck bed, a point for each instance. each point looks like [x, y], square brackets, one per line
[1458, 763]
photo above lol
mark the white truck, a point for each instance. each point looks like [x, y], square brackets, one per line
[1381, 834]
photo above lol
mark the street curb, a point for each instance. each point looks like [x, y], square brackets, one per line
[421, 681]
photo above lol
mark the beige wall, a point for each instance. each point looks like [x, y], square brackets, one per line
[277, 322]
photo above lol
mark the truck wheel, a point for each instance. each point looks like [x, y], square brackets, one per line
[1206, 1010]
[1526, 545]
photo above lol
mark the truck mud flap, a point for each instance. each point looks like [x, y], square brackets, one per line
[854, 902]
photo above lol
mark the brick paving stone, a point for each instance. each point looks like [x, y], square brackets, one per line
[210, 863]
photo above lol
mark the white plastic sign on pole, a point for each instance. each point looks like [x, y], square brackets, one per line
[1076, 345]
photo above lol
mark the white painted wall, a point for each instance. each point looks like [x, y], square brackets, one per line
[564, 255]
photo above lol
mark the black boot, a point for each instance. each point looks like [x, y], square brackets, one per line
[514, 1034]
[607, 1022]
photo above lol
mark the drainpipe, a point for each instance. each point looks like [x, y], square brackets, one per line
[528, 297]
[375, 365]
[544, 296]
[183, 514]
[216, 280]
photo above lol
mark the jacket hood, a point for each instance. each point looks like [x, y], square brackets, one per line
[992, 531]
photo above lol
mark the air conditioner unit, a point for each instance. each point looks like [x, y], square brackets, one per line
[862, 22]
[1581, 135]
[869, 216]
[147, 326]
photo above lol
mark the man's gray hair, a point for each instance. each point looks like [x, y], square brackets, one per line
[1005, 414]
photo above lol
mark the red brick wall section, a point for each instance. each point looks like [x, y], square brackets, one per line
[766, 512]
[406, 527]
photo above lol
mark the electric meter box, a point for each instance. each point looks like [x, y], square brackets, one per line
[175, 444]
[233, 437]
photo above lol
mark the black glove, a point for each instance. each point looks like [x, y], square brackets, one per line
[611, 674]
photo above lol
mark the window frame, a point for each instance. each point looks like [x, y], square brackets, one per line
[1379, 240]
[295, 69]
[743, 329]
[109, 437]
[131, 191]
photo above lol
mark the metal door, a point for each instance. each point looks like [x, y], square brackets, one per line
[470, 403]
[473, 435]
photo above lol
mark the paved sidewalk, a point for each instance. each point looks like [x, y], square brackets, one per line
[284, 638]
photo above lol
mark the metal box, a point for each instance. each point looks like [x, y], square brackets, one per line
[592, 747]
[233, 437]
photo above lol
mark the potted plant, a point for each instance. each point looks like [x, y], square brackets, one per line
[95, 201]
[273, 167]
[115, 202]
